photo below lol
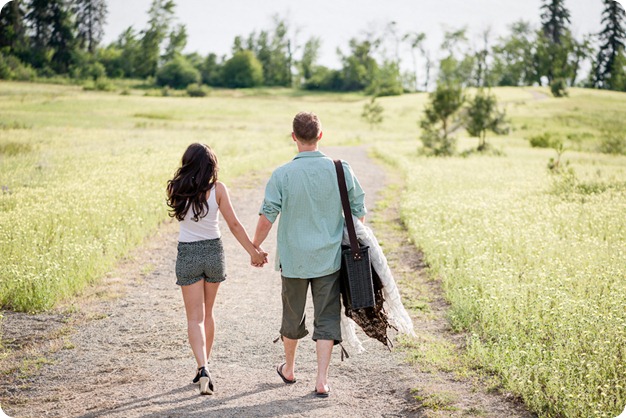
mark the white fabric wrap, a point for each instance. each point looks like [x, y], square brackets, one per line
[397, 314]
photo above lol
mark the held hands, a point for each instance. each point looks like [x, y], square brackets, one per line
[259, 258]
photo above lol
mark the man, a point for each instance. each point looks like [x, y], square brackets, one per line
[305, 193]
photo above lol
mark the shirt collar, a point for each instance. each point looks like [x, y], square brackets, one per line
[309, 154]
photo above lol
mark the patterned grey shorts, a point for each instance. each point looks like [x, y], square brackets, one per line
[200, 260]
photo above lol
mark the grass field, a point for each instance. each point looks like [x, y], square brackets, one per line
[83, 174]
[533, 263]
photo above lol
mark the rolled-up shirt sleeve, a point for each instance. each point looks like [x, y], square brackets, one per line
[272, 202]
[356, 195]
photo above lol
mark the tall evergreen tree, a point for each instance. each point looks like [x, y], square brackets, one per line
[62, 40]
[555, 18]
[12, 28]
[556, 42]
[609, 63]
[39, 18]
[90, 21]
[52, 39]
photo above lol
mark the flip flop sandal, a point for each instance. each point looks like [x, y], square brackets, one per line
[279, 370]
[322, 394]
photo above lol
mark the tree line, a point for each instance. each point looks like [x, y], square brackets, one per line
[44, 38]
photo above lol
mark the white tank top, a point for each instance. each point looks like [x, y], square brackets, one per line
[206, 228]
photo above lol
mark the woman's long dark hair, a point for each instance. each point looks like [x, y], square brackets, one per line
[191, 182]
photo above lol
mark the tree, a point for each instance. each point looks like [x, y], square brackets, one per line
[309, 58]
[62, 40]
[242, 70]
[39, 18]
[387, 81]
[415, 41]
[440, 120]
[160, 16]
[274, 52]
[130, 45]
[177, 42]
[583, 50]
[482, 115]
[481, 74]
[555, 42]
[391, 31]
[212, 71]
[514, 56]
[555, 18]
[360, 68]
[609, 67]
[12, 28]
[90, 17]
[457, 66]
[52, 40]
[372, 113]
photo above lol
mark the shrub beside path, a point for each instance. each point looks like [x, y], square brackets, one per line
[121, 350]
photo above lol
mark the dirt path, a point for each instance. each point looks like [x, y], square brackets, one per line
[124, 352]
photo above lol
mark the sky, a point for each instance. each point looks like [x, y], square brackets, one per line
[212, 25]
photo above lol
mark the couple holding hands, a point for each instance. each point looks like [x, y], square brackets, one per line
[305, 193]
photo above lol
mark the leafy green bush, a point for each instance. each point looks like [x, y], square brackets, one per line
[197, 90]
[11, 68]
[177, 73]
[558, 87]
[324, 78]
[544, 140]
[101, 84]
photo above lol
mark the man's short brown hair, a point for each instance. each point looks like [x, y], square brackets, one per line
[307, 127]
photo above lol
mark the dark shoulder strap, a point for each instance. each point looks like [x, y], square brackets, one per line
[347, 213]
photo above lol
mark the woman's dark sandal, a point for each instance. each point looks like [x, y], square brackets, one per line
[279, 370]
[322, 394]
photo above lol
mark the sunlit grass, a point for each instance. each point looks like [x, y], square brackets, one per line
[534, 270]
[533, 263]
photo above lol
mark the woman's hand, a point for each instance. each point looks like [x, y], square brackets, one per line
[259, 258]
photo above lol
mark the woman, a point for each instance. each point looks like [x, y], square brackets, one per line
[196, 198]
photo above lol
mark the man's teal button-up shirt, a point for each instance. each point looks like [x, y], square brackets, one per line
[305, 193]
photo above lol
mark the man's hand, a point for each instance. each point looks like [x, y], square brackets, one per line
[259, 258]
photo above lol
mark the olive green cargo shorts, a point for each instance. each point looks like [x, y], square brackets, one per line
[325, 293]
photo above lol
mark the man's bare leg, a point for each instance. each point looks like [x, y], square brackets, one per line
[290, 358]
[324, 350]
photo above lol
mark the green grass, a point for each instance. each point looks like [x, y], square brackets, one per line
[83, 173]
[532, 263]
